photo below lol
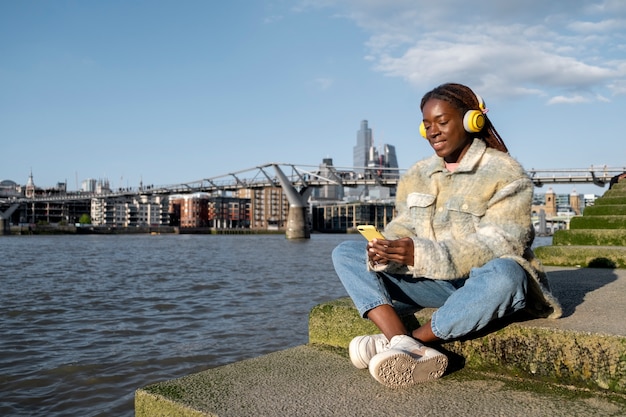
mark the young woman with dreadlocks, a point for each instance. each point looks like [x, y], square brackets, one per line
[460, 243]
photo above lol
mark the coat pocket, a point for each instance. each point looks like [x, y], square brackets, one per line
[419, 200]
[466, 209]
[421, 207]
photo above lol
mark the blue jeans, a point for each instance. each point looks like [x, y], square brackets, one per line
[465, 305]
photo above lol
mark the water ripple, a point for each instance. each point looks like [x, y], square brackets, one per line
[86, 320]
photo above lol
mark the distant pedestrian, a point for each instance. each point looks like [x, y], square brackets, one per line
[460, 242]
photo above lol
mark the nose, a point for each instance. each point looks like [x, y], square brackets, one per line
[433, 130]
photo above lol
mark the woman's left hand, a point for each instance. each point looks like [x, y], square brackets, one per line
[383, 251]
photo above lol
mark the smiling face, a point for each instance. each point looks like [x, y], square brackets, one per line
[445, 131]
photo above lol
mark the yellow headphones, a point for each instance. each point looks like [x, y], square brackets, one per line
[473, 121]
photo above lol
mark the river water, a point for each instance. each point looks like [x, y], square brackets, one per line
[86, 320]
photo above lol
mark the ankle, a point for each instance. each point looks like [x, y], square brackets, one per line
[424, 334]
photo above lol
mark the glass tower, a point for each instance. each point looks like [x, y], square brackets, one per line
[363, 145]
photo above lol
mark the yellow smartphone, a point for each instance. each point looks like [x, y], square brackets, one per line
[370, 232]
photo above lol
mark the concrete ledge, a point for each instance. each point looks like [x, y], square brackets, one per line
[583, 256]
[579, 349]
[312, 381]
[573, 366]
[524, 349]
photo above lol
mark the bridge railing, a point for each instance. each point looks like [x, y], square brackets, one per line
[302, 176]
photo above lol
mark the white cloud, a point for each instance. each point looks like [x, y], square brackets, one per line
[571, 51]
[607, 25]
[567, 100]
[618, 87]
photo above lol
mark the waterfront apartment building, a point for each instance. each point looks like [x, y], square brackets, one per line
[129, 211]
[341, 216]
[189, 210]
[269, 208]
[50, 212]
[229, 212]
[203, 210]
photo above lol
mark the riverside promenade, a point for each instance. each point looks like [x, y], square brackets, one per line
[573, 366]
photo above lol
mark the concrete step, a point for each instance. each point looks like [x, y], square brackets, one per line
[572, 366]
[590, 237]
[598, 222]
[606, 210]
[608, 200]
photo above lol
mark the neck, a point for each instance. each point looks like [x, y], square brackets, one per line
[451, 166]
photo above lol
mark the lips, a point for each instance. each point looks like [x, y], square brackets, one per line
[438, 145]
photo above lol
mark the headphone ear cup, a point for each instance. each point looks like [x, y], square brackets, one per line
[423, 130]
[474, 121]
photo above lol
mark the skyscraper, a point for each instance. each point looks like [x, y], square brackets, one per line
[390, 157]
[362, 148]
[369, 162]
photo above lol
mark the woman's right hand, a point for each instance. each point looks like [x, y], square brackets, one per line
[383, 251]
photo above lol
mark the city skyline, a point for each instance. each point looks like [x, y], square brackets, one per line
[166, 93]
[365, 157]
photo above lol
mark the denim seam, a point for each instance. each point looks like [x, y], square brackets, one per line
[433, 326]
[371, 306]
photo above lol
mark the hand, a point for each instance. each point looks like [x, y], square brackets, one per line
[382, 251]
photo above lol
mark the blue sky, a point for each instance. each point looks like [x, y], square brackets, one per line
[176, 91]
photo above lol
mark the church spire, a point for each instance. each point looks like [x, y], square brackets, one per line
[30, 186]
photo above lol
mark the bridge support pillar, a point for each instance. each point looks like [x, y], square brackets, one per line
[5, 229]
[5, 219]
[297, 227]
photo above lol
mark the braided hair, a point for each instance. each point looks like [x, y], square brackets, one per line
[463, 99]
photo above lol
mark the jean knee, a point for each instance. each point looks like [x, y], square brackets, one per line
[346, 249]
[510, 277]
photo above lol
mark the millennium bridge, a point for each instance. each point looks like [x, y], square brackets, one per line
[298, 181]
[301, 177]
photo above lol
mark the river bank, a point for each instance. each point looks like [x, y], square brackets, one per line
[109, 230]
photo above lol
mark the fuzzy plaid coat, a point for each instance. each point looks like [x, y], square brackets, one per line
[462, 219]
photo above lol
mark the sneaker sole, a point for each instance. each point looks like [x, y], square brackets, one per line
[400, 369]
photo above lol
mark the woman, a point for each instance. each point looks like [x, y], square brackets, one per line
[460, 242]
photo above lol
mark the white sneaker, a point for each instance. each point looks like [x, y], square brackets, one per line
[363, 348]
[406, 362]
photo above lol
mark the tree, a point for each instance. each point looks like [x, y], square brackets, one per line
[85, 219]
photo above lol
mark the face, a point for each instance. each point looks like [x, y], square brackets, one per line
[445, 131]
